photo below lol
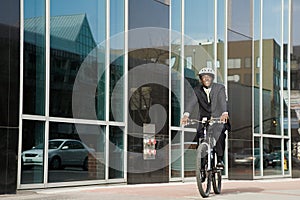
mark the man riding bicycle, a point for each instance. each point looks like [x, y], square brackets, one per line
[211, 99]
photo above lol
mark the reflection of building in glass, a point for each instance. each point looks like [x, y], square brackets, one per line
[240, 62]
[69, 33]
[295, 81]
[295, 104]
[240, 71]
[72, 43]
[295, 68]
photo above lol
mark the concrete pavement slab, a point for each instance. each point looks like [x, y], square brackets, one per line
[287, 189]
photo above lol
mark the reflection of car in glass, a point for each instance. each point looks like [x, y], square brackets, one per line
[61, 153]
[246, 157]
[276, 158]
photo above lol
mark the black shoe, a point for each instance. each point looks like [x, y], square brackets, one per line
[202, 175]
[220, 165]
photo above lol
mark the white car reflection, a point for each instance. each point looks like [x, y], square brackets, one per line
[61, 153]
[246, 157]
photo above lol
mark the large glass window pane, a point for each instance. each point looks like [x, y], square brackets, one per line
[271, 66]
[256, 68]
[286, 90]
[257, 159]
[240, 159]
[176, 154]
[286, 157]
[116, 59]
[221, 39]
[148, 13]
[116, 152]
[199, 32]
[190, 143]
[76, 152]
[175, 63]
[141, 101]
[176, 15]
[199, 20]
[32, 157]
[240, 140]
[34, 57]
[116, 77]
[295, 88]
[148, 78]
[198, 41]
[77, 28]
[272, 156]
[175, 94]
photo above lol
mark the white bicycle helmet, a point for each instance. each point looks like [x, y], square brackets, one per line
[207, 70]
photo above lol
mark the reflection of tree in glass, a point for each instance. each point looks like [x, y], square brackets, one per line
[141, 101]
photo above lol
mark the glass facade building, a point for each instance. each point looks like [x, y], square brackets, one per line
[93, 91]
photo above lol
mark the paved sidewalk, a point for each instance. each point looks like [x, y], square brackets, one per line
[279, 189]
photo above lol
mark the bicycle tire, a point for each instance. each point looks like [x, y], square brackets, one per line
[203, 183]
[217, 181]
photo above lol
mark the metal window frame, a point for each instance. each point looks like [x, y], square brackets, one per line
[183, 130]
[47, 119]
[261, 135]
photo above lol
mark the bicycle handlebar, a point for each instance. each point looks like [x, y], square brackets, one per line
[204, 120]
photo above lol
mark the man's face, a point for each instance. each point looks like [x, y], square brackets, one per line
[206, 80]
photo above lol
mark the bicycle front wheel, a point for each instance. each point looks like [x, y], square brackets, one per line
[217, 181]
[202, 175]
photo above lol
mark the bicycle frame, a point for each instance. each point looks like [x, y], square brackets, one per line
[208, 152]
[207, 140]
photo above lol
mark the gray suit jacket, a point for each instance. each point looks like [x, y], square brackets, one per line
[215, 108]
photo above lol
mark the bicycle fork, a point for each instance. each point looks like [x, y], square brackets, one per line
[209, 151]
[209, 154]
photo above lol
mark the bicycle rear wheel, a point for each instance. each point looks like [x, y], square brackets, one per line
[202, 175]
[217, 181]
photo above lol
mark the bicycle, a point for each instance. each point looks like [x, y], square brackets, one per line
[207, 173]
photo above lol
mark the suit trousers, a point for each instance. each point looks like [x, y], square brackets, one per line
[218, 132]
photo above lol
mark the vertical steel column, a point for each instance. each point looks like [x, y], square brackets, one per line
[126, 101]
[21, 92]
[260, 86]
[47, 85]
[107, 81]
[182, 85]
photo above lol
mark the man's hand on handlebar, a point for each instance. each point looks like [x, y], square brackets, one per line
[184, 120]
[224, 117]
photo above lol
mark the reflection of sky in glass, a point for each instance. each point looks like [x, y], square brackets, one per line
[220, 17]
[272, 20]
[116, 16]
[295, 25]
[176, 15]
[199, 16]
[256, 27]
[156, 14]
[199, 19]
[94, 10]
[285, 21]
[34, 8]
[240, 17]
